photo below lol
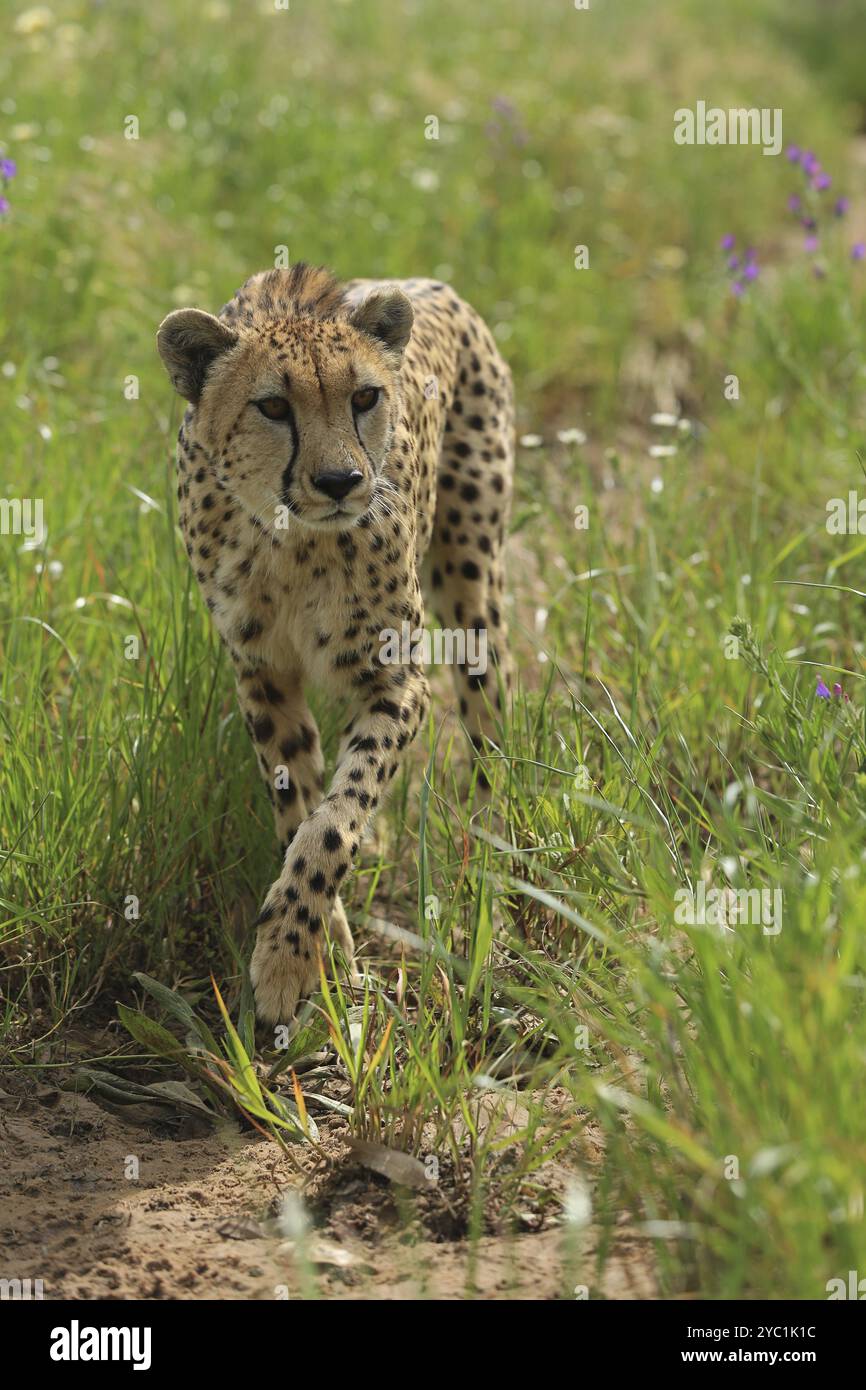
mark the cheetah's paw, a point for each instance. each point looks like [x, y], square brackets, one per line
[281, 978]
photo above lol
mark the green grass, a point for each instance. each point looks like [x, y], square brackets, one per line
[722, 1069]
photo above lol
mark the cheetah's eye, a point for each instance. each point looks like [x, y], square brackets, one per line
[365, 399]
[274, 408]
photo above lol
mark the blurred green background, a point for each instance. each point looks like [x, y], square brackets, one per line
[305, 128]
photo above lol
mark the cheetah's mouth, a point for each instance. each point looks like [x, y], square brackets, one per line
[339, 518]
[336, 514]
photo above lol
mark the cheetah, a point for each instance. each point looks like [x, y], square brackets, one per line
[336, 436]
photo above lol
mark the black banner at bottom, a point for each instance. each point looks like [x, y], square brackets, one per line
[80, 1339]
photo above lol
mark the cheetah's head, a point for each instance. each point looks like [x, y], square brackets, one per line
[296, 414]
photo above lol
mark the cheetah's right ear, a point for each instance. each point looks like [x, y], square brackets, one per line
[189, 340]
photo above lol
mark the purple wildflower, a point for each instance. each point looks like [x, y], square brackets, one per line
[743, 268]
[805, 207]
[8, 169]
[822, 692]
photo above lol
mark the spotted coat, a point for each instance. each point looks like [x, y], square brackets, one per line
[338, 440]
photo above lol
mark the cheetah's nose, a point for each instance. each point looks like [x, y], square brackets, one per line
[337, 485]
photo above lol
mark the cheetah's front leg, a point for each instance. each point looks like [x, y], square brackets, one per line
[289, 943]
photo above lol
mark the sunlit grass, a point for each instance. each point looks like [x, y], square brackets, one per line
[534, 949]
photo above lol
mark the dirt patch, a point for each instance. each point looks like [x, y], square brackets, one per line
[98, 1208]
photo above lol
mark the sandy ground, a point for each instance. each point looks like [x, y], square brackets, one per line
[215, 1216]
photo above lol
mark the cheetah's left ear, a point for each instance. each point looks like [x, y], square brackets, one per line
[189, 340]
[386, 315]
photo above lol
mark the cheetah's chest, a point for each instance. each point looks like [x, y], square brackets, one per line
[321, 601]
